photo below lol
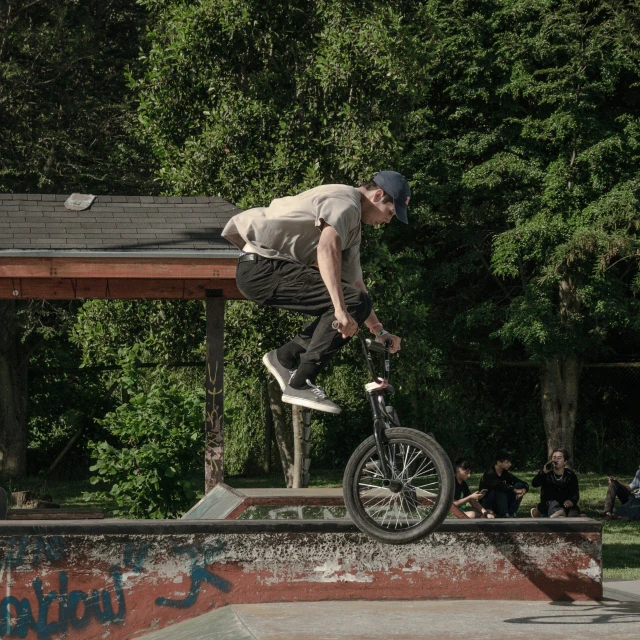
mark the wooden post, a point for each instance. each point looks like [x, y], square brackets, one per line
[213, 428]
[3, 504]
[268, 428]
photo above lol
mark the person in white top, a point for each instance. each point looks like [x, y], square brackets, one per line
[302, 253]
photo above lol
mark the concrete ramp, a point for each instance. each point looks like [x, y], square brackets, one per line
[222, 624]
[120, 579]
[315, 503]
[495, 620]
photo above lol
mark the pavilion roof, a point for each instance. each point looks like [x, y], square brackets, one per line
[145, 226]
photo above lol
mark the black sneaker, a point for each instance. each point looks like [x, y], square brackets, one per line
[277, 370]
[311, 396]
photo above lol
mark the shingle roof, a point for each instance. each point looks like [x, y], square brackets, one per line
[140, 224]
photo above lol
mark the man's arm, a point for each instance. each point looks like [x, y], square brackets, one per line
[330, 266]
[372, 320]
[539, 478]
[513, 480]
[574, 490]
[493, 482]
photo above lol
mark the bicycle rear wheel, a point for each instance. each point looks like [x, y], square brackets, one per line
[421, 493]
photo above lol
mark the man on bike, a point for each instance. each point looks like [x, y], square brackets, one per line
[281, 246]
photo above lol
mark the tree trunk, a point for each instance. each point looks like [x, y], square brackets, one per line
[282, 430]
[14, 360]
[559, 386]
[559, 380]
[298, 457]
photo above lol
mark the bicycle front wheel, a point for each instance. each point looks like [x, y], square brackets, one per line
[420, 493]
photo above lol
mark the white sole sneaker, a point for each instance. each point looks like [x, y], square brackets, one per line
[326, 406]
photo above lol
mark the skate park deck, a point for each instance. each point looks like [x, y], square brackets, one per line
[401, 620]
[128, 578]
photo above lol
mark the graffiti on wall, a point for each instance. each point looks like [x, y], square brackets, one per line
[65, 608]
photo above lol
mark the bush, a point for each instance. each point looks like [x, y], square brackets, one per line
[159, 444]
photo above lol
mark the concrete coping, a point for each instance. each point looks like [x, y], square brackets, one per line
[179, 527]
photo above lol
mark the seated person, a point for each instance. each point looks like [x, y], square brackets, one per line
[559, 492]
[504, 490]
[624, 492]
[463, 498]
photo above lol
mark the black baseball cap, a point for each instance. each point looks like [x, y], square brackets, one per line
[396, 186]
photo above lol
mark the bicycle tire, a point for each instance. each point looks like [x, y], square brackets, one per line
[430, 517]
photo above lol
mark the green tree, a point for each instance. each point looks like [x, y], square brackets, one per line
[64, 126]
[65, 108]
[529, 152]
[254, 100]
[157, 446]
[26, 327]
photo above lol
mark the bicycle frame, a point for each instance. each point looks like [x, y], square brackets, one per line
[378, 407]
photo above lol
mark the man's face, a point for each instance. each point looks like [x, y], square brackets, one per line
[463, 474]
[504, 464]
[374, 210]
[558, 459]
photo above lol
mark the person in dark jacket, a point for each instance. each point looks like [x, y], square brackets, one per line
[559, 491]
[624, 493]
[504, 490]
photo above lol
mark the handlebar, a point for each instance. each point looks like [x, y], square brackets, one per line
[374, 345]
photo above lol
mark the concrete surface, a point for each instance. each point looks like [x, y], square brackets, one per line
[441, 620]
[89, 580]
[622, 590]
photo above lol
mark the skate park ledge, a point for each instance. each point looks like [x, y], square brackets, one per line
[124, 578]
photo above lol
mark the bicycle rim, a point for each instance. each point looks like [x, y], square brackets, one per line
[421, 491]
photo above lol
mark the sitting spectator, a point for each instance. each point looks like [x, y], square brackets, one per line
[559, 492]
[504, 490]
[624, 492]
[463, 498]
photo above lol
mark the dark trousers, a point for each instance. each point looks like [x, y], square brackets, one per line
[297, 287]
[616, 490]
[503, 504]
[549, 507]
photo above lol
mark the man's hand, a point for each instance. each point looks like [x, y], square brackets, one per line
[347, 326]
[567, 504]
[520, 492]
[477, 495]
[395, 341]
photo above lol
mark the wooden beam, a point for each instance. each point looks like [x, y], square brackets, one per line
[214, 408]
[122, 267]
[114, 288]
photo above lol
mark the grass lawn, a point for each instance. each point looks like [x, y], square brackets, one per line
[620, 541]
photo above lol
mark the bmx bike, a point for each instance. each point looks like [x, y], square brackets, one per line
[398, 485]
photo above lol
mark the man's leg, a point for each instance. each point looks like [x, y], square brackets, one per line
[513, 502]
[497, 502]
[615, 490]
[297, 287]
[302, 289]
[556, 510]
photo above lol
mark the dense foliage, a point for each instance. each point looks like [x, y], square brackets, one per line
[516, 122]
[157, 444]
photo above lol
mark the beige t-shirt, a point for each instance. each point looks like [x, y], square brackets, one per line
[289, 228]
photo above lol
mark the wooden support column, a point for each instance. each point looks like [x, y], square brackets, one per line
[213, 429]
[3, 504]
